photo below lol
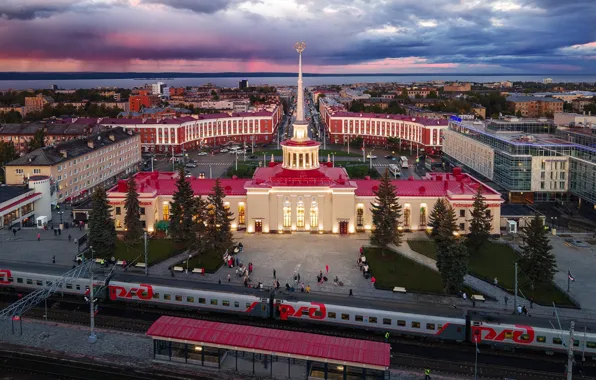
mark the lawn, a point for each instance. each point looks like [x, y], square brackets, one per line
[497, 260]
[210, 261]
[158, 250]
[244, 170]
[392, 269]
[361, 171]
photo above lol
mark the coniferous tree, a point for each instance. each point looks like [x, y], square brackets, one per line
[132, 218]
[436, 215]
[452, 262]
[201, 220]
[446, 228]
[219, 219]
[537, 259]
[386, 212]
[38, 140]
[480, 224]
[102, 232]
[182, 225]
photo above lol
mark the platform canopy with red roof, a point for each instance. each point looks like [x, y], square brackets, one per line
[330, 349]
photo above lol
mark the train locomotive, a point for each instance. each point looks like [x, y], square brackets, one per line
[265, 305]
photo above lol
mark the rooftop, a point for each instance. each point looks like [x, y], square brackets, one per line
[10, 192]
[51, 155]
[353, 352]
[419, 120]
[276, 175]
[528, 98]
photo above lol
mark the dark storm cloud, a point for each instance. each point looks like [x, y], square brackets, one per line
[198, 6]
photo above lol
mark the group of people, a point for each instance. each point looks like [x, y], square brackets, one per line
[363, 264]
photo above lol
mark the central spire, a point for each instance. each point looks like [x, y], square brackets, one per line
[300, 46]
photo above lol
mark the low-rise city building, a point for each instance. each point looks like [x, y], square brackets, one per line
[457, 87]
[534, 106]
[569, 119]
[27, 204]
[37, 102]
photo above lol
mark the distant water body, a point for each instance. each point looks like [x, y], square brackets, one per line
[232, 81]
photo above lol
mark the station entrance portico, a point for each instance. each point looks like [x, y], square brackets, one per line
[267, 352]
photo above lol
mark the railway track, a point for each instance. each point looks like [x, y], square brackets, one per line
[442, 357]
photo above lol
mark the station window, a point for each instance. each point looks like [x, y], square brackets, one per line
[345, 317]
[225, 303]
[372, 319]
[30, 282]
[331, 315]
[386, 321]
[213, 301]
[557, 341]
[541, 339]
[359, 318]
[39, 283]
[462, 213]
[401, 323]
[430, 326]
[236, 304]
[19, 280]
[415, 325]
[167, 297]
[156, 296]
[201, 300]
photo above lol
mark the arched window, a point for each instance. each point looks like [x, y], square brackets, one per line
[360, 216]
[300, 214]
[314, 215]
[423, 214]
[287, 215]
[407, 213]
[241, 213]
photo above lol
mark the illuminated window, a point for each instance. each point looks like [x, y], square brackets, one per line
[118, 223]
[300, 214]
[241, 213]
[407, 216]
[287, 215]
[360, 216]
[314, 215]
[423, 214]
[166, 211]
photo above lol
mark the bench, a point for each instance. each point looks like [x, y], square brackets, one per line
[140, 265]
[478, 297]
[399, 289]
[178, 269]
[120, 262]
[199, 270]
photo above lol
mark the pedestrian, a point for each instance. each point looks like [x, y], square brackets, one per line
[274, 274]
[55, 232]
[229, 278]
[219, 281]
[531, 302]
[519, 310]
[525, 311]
[427, 374]
[38, 237]
[361, 250]
[14, 232]
[326, 269]
[386, 337]
[307, 289]
[351, 294]
[54, 259]
[465, 296]
[245, 282]
[506, 300]
[69, 238]
[298, 276]
[473, 302]
[59, 232]
[496, 282]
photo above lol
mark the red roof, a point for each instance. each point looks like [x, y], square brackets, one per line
[17, 203]
[347, 351]
[300, 143]
[276, 175]
[419, 120]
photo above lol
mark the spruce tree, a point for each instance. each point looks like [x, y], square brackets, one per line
[132, 218]
[452, 262]
[102, 232]
[201, 219]
[386, 212]
[182, 225]
[446, 228]
[480, 224]
[436, 215]
[219, 219]
[537, 259]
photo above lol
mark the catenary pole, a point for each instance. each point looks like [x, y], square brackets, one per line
[515, 293]
[146, 254]
[570, 352]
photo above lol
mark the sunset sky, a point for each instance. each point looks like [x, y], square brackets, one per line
[342, 36]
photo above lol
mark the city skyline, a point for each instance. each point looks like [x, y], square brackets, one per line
[438, 36]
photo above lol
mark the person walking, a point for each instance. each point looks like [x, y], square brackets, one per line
[464, 296]
[38, 236]
[307, 289]
[427, 374]
[54, 259]
[69, 238]
[531, 302]
[229, 278]
[386, 337]
[14, 232]
[274, 274]
[496, 281]
[351, 294]
[326, 269]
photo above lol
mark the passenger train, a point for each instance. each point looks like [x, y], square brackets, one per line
[281, 307]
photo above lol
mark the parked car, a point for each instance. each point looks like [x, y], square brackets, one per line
[224, 150]
[389, 157]
[202, 154]
[191, 165]
[188, 176]
[253, 156]
[373, 156]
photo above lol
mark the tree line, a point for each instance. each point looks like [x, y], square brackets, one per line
[453, 247]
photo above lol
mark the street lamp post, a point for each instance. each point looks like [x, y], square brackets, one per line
[236, 161]
[187, 261]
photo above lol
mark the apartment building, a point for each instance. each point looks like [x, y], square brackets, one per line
[36, 103]
[534, 106]
[77, 167]
[457, 87]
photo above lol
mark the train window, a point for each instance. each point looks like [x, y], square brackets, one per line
[10, 279]
[372, 319]
[331, 315]
[236, 304]
[19, 280]
[248, 305]
[345, 317]
[440, 327]
[509, 335]
[68, 286]
[557, 341]
[576, 343]
[29, 281]
[156, 296]
[401, 323]
[386, 321]
[225, 303]
[78, 287]
[359, 318]
[202, 300]
[264, 307]
[591, 344]
[305, 312]
[39, 283]
[541, 339]
[415, 325]
[167, 297]
[213, 301]
[524, 337]
[430, 326]
[144, 294]
[318, 313]
[190, 299]
[178, 298]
